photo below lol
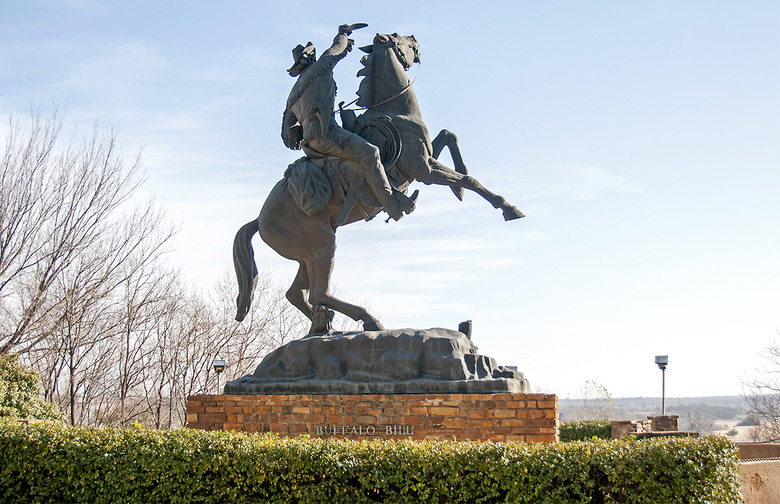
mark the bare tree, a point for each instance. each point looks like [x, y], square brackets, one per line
[160, 370]
[85, 298]
[697, 420]
[75, 350]
[98, 332]
[145, 297]
[762, 395]
[59, 215]
[208, 331]
[593, 402]
[194, 330]
[68, 244]
[26, 184]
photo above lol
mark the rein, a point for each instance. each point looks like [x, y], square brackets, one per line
[405, 89]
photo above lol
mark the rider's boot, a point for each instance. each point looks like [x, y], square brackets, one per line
[399, 204]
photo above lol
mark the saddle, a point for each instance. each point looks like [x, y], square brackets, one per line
[311, 181]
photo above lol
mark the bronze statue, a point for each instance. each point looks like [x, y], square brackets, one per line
[320, 193]
[308, 121]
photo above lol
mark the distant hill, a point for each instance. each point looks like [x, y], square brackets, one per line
[696, 413]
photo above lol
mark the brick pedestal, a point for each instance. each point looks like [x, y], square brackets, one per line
[494, 417]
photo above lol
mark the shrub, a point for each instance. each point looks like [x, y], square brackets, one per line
[586, 429]
[20, 392]
[748, 421]
[57, 463]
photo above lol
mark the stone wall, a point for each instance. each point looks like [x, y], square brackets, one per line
[760, 472]
[760, 481]
[494, 417]
[748, 451]
[653, 424]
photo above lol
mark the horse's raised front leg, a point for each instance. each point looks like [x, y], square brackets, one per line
[443, 175]
[319, 269]
[447, 138]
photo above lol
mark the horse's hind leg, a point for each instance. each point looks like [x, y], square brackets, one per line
[299, 290]
[320, 316]
[319, 270]
[447, 138]
[443, 175]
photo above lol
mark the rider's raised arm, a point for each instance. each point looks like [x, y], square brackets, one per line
[341, 46]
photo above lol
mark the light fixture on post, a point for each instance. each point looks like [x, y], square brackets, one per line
[662, 361]
[219, 366]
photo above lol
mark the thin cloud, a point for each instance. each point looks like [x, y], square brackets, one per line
[115, 70]
[576, 181]
[76, 5]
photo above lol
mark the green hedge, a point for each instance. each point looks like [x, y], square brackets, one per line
[56, 463]
[586, 429]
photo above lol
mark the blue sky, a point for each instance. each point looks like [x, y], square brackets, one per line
[640, 139]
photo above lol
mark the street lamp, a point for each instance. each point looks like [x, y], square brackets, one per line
[219, 366]
[662, 361]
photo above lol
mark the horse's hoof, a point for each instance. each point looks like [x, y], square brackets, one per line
[321, 323]
[373, 326]
[512, 213]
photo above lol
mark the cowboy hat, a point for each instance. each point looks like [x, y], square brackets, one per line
[302, 56]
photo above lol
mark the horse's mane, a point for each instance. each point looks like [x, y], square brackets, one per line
[365, 90]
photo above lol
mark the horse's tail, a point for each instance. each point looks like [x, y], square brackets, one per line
[246, 269]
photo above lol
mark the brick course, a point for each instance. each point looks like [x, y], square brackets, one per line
[495, 417]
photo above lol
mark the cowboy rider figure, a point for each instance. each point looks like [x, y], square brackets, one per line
[309, 123]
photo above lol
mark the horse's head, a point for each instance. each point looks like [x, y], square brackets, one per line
[389, 57]
[406, 47]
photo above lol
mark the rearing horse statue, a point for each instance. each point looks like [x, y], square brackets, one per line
[392, 121]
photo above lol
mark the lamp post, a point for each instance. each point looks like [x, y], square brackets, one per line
[219, 366]
[662, 361]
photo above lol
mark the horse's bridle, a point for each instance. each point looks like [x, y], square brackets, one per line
[402, 58]
[399, 53]
[404, 90]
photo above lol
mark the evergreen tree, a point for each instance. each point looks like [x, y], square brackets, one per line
[20, 392]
